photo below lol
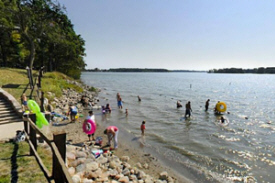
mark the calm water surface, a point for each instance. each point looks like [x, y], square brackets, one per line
[242, 151]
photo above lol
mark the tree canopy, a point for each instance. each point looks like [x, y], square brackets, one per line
[37, 33]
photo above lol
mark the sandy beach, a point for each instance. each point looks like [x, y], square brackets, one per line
[138, 158]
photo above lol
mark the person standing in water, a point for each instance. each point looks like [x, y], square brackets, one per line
[207, 105]
[139, 99]
[119, 103]
[188, 109]
[142, 127]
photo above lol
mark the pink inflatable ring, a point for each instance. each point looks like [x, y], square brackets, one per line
[89, 127]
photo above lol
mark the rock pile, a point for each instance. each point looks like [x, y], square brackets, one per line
[84, 167]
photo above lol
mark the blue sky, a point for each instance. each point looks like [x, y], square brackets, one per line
[175, 34]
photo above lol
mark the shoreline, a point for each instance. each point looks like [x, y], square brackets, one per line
[138, 157]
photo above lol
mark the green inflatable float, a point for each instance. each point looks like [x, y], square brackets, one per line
[40, 118]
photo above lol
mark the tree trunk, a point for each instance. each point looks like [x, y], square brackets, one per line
[32, 50]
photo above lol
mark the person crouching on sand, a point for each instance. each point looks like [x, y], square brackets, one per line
[112, 133]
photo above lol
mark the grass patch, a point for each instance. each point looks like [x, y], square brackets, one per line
[51, 82]
[17, 166]
[55, 82]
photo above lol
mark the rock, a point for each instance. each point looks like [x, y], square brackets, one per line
[81, 154]
[80, 168]
[139, 165]
[146, 166]
[163, 176]
[126, 165]
[76, 179]
[124, 179]
[71, 171]
[113, 164]
[133, 177]
[73, 163]
[126, 172]
[141, 175]
[92, 166]
[87, 180]
[81, 160]
[114, 181]
[113, 173]
[102, 160]
[70, 156]
[170, 180]
[118, 176]
[125, 158]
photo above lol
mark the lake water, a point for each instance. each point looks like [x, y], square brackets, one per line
[199, 148]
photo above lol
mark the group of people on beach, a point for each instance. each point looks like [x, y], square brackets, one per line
[188, 109]
[111, 131]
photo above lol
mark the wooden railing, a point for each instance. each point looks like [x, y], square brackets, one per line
[59, 172]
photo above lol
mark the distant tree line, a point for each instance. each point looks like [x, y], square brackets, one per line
[260, 70]
[127, 70]
[137, 70]
[37, 33]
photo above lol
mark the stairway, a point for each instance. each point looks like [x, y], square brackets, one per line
[10, 122]
[7, 113]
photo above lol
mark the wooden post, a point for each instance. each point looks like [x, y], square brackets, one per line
[26, 127]
[33, 134]
[60, 142]
[42, 102]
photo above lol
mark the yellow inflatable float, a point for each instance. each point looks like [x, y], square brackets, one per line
[221, 107]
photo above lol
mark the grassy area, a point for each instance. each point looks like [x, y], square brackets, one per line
[17, 166]
[15, 163]
[14, 81]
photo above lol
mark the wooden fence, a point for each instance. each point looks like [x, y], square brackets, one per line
[59, 172]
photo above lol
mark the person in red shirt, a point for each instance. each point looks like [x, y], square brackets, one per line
[142, 127]
[112, 133]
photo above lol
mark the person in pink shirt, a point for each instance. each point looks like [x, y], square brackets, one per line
[112, 133]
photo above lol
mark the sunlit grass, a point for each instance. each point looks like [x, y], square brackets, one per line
[23, 165]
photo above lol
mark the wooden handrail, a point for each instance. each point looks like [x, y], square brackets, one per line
[58, 162]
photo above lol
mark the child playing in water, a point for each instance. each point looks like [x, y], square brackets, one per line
[126, 112]
[142, 127]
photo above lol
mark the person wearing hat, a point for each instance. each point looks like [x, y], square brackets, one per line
[112, 133]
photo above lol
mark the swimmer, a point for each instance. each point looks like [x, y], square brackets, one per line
[216, 108]
[126, 112]
[139, 99]
[178, 104]
[207, 104]
[223, 119]
[108, 108]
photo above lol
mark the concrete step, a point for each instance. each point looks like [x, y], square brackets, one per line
[10, 121]
[6, 109]
[7, 114]
[10, 118]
